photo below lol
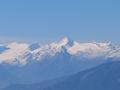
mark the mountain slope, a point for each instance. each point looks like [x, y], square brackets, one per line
[6, 77]
[103, 77]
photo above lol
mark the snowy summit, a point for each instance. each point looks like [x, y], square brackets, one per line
[21, 52]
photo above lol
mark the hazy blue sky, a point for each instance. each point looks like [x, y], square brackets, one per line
[44, 20]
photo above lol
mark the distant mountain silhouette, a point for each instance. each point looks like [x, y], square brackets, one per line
[103, 77]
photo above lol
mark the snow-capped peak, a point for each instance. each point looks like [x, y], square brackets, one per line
[66, 41]
[52, 49]
[15, 51]
[21, 52]
[89, 49]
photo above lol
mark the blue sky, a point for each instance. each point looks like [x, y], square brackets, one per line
[48, 20]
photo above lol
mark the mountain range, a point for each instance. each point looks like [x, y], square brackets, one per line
[20, 53]
[31, 64]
